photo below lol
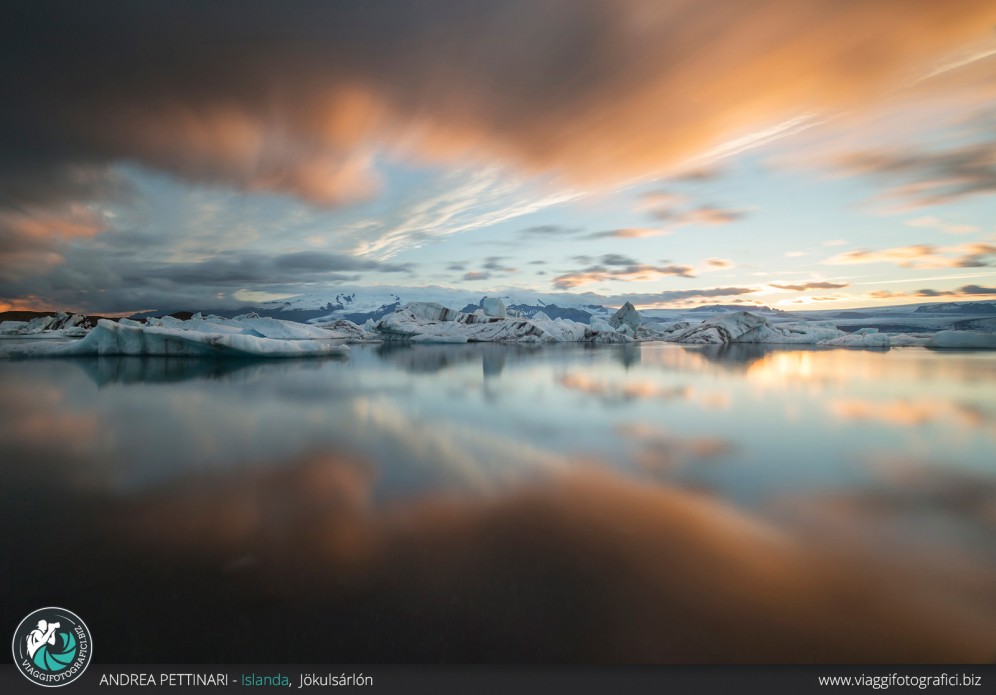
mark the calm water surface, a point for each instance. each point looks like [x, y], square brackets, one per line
[501, 503]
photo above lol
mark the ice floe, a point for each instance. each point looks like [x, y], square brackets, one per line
[965, 340]
[626, 316]
[199, 337]
[60, 325]
[745, 327]
[408, 323]
[494, 307]
[431, 322]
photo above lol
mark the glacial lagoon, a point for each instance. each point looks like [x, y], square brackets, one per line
[439, 503]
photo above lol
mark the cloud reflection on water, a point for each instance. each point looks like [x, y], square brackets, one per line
[588, 565]
[359, 509]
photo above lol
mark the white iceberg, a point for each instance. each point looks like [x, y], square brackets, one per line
[408, 324]
[628, 316]
[963, 340]
[600, 324]
[59, 325]
[197, 339]
[744, 327]
[430, 338]
[910, 339]
[431, 311]
[352, 333]
[858, 339]
[494, 307]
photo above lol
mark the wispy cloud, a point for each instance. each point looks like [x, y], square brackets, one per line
[805, 286]
[468, 200]
[628, 233]
[549, 231]
[620, 268]
[925, 178]
[942, 225]
[966, 292]
[923, 256]
[676, 210]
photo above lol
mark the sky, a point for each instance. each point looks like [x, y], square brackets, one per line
[794, 153]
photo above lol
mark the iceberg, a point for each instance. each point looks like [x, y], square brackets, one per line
[494, 307]
[910, 339]
[744, 327]
[628, 316]
[430, 338]
[862, 340]
[352, 333]
[409, 324]
[123, 338]
[59, 325]
[600, 324]
[430, 311]
[962, 340]
[431, 322]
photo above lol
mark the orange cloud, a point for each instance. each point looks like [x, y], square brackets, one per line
[922, 256]
[802, 287]
[718, 263]
[599, 91]
[631, 273]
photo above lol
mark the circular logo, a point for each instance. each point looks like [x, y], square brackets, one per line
[52, 647]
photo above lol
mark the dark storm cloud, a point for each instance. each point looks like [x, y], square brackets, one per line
[301, 99]
[102, 282]
[294, 98]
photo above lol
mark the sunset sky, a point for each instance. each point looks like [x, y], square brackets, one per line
[168, 155]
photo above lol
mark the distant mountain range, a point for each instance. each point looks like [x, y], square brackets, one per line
[968, 308]
[358, 305]
[362, 304]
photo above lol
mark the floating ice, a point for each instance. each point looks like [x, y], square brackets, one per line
[353, 333]
[965, 340]
[744, 327]
[406, 324]
[110, 338]
[627, 315]
[60, 325]
[859, 339]
[431, 311]
[494, 307]
[600, 324]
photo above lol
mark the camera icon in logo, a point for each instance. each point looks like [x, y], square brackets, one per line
[52, 647]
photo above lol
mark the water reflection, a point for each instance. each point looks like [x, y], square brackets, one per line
[494, 503]
[297, 562]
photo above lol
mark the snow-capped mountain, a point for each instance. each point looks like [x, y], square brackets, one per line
[358, 304]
